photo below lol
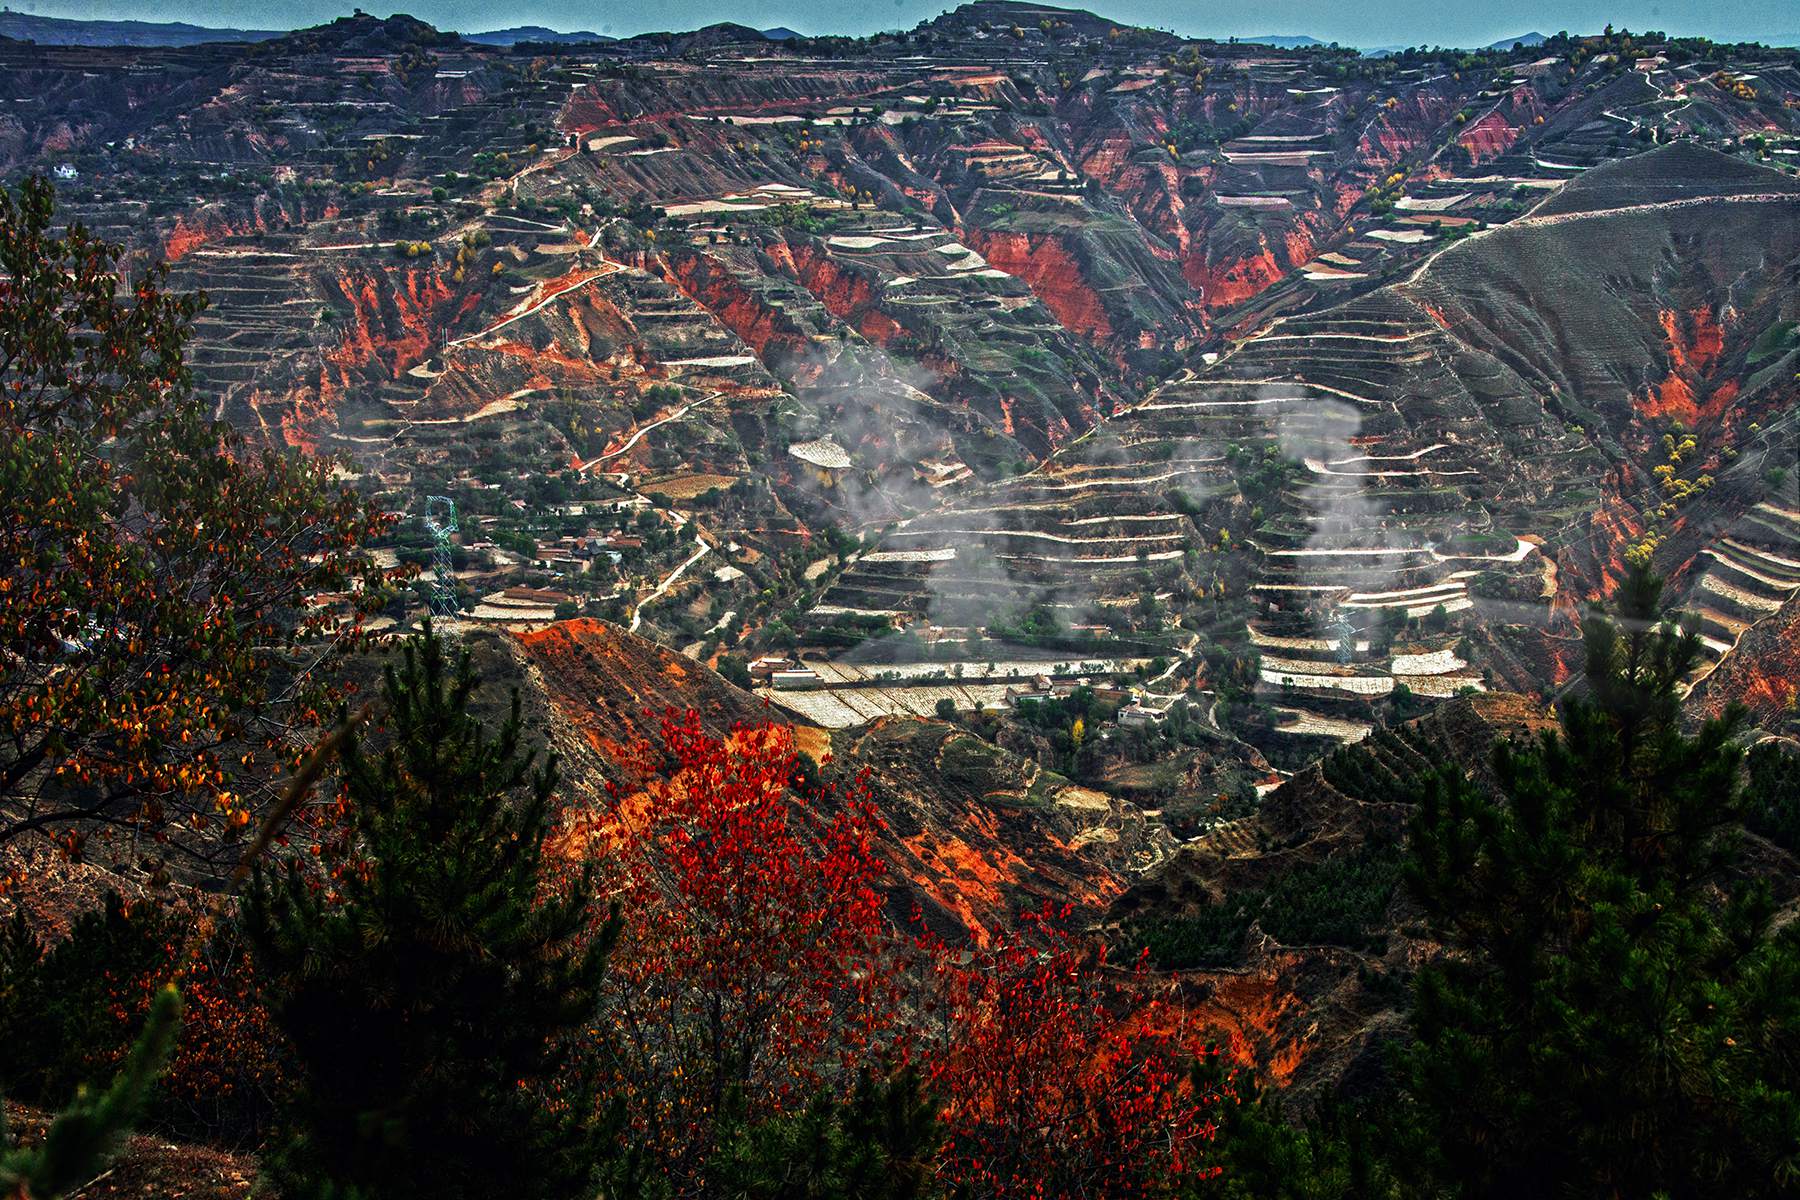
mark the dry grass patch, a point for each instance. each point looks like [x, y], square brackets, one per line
[812, 740]
[686, 487]
[150, 1168]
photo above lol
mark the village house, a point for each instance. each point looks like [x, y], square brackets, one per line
[1136, 715]
[796, 679]
[768, 664]
[568, 554]
[1107, 693]
[1039, 691]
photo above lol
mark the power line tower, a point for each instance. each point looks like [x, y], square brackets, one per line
[440, 520]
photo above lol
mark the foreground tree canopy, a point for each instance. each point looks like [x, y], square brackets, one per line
[432, 995]
[154, 569]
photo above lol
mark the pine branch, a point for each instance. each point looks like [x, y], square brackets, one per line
[86, 1135]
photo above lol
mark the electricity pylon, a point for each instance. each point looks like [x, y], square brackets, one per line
[440, 520]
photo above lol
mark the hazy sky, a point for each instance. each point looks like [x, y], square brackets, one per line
[1352, 22]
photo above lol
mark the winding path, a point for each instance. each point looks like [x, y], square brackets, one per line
[637, 614]
[605, 270]
[633, 440]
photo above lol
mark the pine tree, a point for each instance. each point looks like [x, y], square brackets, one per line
[1621, 1017]
[878, 1144]
[1257, 1153]
[435, 1003]
[86, 1135]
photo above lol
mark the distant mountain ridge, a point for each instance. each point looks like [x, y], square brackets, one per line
[1284, 41]
[66, 31]
[982, 15]
[71, 31]
[1302, 41]
[707, 37]
[535, 33]
[1534, 38]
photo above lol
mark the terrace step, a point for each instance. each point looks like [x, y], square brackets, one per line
[1229, 839]
[1768, 563]
[1772, 520]
[1729, 594]
[1748, 578]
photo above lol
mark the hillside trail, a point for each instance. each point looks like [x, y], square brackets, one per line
[1551, 219]
[605, 269]
[637, 614]
[660, 421]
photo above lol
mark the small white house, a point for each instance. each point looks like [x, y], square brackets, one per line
[1039, 691]
[768, 664]
[1137, 716]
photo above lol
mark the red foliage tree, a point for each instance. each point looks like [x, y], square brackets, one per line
[751, 964]
[71, 1009]
[226, 1068]
[1052, 1083]
[757, 965]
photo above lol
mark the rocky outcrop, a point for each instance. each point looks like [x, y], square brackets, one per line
[776, 339]
[1487, 138]
[1053, 275]
[976, 835]
[1686, 393]
[972, 835]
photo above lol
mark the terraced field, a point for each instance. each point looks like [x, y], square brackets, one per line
[1342, 380]
[1356, 453]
